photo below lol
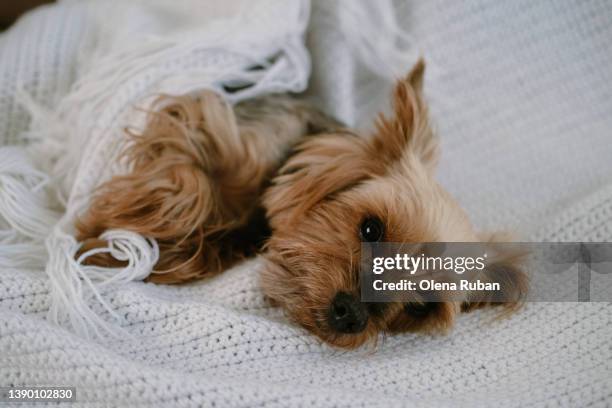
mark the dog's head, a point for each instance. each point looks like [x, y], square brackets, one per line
[338, 190]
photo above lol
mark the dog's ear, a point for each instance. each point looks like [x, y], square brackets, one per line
[507, 269]
[321, 166]
[407, 131]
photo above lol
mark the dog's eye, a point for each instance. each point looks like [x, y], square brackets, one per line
[372, 229]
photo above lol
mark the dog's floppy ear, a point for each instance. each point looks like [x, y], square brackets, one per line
[407, 131]
[322, 166]
[507, 269]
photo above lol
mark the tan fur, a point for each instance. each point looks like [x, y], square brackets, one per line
[200, 170]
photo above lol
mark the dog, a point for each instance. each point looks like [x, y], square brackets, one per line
[215, 184]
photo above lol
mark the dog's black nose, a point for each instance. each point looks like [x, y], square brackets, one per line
[347, 314]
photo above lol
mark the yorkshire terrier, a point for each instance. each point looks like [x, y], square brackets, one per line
[214, 184]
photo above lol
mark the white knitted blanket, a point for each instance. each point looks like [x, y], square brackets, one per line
[521, 93]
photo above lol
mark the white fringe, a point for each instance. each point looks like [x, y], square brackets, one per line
[25, 215]
[74, 285]
[23, 202]
[32, 237]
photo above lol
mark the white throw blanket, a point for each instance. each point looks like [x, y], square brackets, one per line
[526, 126]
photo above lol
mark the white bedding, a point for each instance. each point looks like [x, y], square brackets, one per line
[521, 94]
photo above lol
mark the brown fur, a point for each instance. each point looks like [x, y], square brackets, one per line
[200, 171]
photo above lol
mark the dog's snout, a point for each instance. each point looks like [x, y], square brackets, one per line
[347, 314]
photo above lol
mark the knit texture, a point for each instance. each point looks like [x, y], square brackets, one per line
[217, 343]
[520, 93]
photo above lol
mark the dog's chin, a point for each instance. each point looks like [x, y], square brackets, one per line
[346, 341]
[350, 341]
[440, 319]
